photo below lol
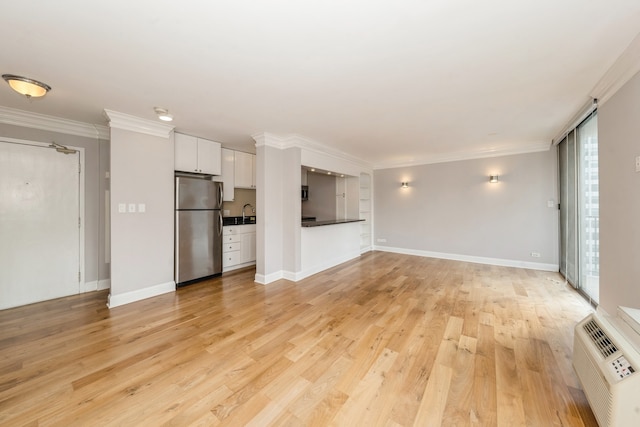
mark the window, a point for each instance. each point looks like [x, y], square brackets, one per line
[579, 207]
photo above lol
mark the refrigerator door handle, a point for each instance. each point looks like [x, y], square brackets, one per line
[220, 196]
[220, 223]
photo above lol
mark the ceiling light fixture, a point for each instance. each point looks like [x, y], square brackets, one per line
[27, 87]
[405, 184]
[163, 114]
[493, 179]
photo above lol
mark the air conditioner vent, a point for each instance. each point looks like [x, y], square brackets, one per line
[600, 339]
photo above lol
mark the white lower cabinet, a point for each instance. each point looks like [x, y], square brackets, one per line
[238, 246]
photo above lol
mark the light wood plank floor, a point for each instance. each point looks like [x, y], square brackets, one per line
[384, 340]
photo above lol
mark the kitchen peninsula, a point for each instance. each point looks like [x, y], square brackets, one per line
[329, 222]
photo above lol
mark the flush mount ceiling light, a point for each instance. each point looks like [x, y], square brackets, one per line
[27, 87]
[405, 184]
[163, 114]
[493, 179]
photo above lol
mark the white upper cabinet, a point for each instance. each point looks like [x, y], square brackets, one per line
[245, 170]
[228, 173]
[198, 155]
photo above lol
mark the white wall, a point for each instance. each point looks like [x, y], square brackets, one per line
[280, 247]
[96, 164]
[619, 144]
[450, 210]
[142, 244]
[322, 197]
[269, 213]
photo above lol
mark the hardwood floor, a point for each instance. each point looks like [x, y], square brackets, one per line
[384, 340]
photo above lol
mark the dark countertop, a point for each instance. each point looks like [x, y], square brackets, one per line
[329, 222]
[237, 220]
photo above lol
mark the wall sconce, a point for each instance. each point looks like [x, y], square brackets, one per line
[493, 179]
[405, 184]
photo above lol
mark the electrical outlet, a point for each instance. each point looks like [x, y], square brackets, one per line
[535, 254]
[122, 208]
[142, 208]
[381, 240]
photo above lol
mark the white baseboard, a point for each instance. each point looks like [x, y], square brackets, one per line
[325, 265]
[140, 294]
[238, 266]
[95, 285]
[297, 276]
[89, 286]
[266, 279]
[475, 259]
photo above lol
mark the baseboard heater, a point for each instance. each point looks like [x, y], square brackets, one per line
[606, 358]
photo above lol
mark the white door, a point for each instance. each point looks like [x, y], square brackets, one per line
[39, 223]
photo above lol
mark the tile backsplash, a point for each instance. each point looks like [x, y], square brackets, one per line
[242, 197]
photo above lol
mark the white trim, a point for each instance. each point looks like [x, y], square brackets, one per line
[11, 116]
[325, 265]
[474, 259]
[578, 118]
[533, 147]
[81, 213]
[300, 275]
[104, 284]
[136, 124]
[266, 279]
[295, 140]
[140, 294]
[282, 143]
[89, 286]
[623, 69]
[238, 266]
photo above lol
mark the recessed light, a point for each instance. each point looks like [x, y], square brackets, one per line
[163, 114]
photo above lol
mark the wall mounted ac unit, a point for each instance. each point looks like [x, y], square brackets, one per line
[606, 358]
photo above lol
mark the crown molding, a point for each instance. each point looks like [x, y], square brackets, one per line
[623, 69]
[136, 124]
[469, 155]
[299, 141]
[11, 116]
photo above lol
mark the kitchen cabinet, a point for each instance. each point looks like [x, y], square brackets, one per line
[245, 170]
[238, 246]
[197, 155]
[228, 174]
[247, 247]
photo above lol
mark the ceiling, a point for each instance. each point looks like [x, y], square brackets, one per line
[390, 82]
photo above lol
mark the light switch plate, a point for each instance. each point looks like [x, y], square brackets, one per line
[132, 208]
[638, 164]
[122, 208]
[551, 204]
[142, 208]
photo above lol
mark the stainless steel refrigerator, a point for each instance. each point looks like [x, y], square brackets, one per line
[198, 229]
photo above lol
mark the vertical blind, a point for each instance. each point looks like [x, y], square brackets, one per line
[579, 207]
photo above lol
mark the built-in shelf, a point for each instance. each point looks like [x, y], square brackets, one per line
[365, 212]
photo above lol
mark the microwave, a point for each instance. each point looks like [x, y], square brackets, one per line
[305, 192]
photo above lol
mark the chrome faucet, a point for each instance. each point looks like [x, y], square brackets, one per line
[243, 208]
